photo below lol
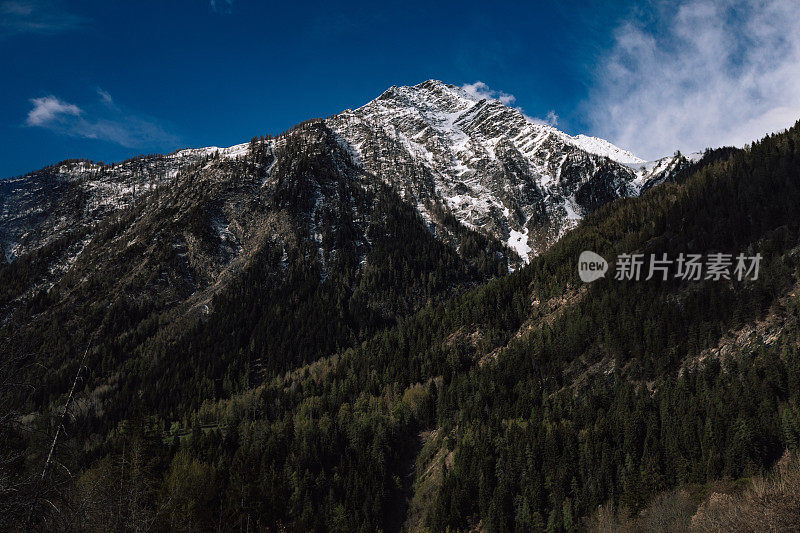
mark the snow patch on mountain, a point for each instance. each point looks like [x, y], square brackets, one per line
[518, 241]
[601, 147]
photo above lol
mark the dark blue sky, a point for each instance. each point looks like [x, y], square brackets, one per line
[107, 80]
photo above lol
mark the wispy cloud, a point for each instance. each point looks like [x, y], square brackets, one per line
[709, 73]
[105, 97]
[221, 6]
[481, 90]
[550, 119]
[36, 16]
[106, 122]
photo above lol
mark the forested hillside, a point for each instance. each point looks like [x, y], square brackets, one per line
[406, 400]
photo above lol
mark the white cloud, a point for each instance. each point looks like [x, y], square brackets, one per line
[36, 16]
[50, 110]
[709, 73]
[107, 122]
[480, 90]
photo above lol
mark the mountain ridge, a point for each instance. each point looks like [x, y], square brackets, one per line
[467, 179]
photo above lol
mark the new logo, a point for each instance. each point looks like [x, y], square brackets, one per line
[591, 266]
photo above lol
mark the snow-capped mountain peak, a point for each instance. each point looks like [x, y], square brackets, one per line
[494, 169]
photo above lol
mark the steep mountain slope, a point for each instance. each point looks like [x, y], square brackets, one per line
[590, 396]
[306, 304]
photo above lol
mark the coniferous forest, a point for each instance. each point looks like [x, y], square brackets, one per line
[428, 390]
